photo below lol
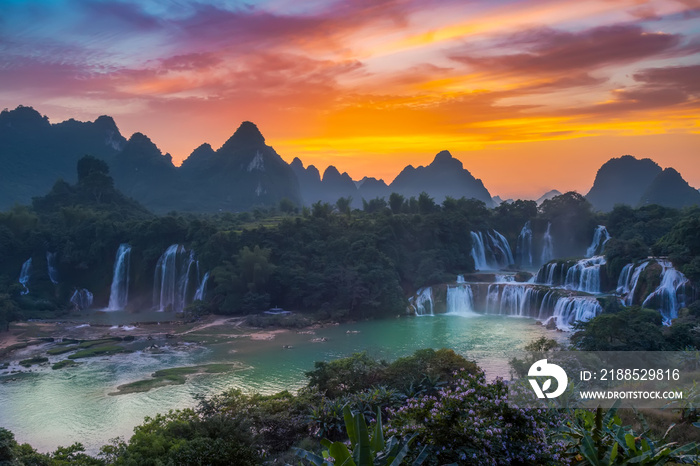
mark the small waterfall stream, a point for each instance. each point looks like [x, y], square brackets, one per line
[600, 237]
[51, 266]
[523, 250]
[490, 250]
[25, 275]
[547, 245]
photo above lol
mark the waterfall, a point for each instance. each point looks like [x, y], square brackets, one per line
[81, 299]
[571, 309]
[549, 301]
[460, 300]
[478, 251]
[627, 283]
[202, 288]
[423, 302]
[512, 300]
[460, 279]
[25, 274]
[490, 250]
[669, 297]
[585, 275]
[119, 293]
[600, 237]
[551, 274]
[176, 281]
[523, 250]
[547, 246]
[51, 265]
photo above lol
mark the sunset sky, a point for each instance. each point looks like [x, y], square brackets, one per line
[529, 95]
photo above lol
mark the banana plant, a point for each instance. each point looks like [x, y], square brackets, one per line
[365, 449]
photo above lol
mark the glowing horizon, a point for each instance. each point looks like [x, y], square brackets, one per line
[529, 95]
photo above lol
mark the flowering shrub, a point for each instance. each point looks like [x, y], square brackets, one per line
[470, 422]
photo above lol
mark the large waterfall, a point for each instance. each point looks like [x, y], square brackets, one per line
[600, 237]
[25, 275]
[490, 250]
[547, 245]
[559, 306]
[176, 281]
[51, 265]
[119, 293]
[523, 250]
[669, 297]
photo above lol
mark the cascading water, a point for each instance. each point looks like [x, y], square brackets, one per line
[460, 300]
[200, 294]
[51, 265]
[423, 302]
[119, 293]
[176, 281]
[552, 274]
[571, 309]
[490, 250]
[547, 245]
[513, 300]
[25, 275]
[627, 283]
[81, 299]
[460, 279]
[585, 275]
[523, 250]
[669, 297]
[600, 237]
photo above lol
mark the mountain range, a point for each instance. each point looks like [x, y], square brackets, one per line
[245, 173]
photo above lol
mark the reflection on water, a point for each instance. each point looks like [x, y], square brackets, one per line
[51, 408]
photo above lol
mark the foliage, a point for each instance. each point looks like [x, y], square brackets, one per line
[599, 438]
[365, 450]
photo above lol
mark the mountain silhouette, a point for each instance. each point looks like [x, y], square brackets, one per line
[634, 182]
[445, 176]
[669, 189]
[622, 181]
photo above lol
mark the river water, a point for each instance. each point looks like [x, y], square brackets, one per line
[48, 408]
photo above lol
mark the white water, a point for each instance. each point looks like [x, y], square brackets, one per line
[490, 250]
[547, 246]
[82, 299]
[176, 280]
[119, 293]
[523, 249]
[201, 292]
[25, 275]
[423, 302]
[460, 279]
[571, 309]
[511, 300]
[51, 265]
[600, 237]
[460, 300]
[585, 275]
[627, 283]
[669, 297]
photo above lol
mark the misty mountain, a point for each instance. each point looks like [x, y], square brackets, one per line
[445, 176]
[548, 195]
[35, 153]
[622, 181]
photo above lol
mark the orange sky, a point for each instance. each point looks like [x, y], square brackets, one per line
[529, 95]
